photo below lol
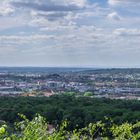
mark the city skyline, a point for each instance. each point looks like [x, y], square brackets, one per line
[70, 33]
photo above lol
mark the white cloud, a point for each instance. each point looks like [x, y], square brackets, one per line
[124, 2]
[114, 16]
[127, 32]
[24, 39]
[86, 35]
[12, 22]
[5, 8]
[45, 30]
[81, 3]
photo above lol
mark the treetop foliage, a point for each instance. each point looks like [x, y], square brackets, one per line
[37, 129]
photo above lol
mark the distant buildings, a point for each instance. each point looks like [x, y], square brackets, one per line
[102, 83]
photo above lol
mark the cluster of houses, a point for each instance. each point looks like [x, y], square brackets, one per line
[100, 84]
[45, 87]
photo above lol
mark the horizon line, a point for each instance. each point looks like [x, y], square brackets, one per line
[87, 67]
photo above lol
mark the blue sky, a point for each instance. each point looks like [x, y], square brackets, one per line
[78, 33]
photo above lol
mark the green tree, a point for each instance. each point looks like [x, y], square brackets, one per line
[87, 94]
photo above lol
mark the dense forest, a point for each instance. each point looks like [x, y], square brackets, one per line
[79, 111]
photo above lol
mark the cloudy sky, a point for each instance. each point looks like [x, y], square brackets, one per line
[86, 33]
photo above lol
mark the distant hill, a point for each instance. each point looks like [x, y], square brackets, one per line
[42, 69]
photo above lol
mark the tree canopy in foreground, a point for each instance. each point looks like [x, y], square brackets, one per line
[37, 129]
